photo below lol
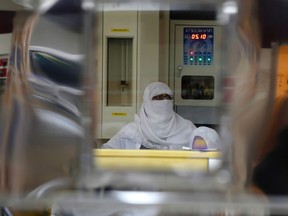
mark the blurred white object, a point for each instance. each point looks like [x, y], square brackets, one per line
[205, 138]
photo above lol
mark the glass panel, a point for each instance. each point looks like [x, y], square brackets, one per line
[119, 72]
[197, 87]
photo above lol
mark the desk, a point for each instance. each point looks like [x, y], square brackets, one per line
[156, 159]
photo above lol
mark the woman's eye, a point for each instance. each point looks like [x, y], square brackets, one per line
[162, 97]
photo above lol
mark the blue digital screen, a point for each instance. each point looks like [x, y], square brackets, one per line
[198, 46]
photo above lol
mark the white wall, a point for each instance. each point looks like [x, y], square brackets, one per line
[148, 51]
[47, 33]
[5, 43]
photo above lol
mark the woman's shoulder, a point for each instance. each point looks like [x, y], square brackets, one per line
[185, 122]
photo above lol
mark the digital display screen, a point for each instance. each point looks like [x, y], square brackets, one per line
[198, 36]
[197, 87]
[198, 46]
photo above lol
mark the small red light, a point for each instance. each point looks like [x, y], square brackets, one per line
[191, 52]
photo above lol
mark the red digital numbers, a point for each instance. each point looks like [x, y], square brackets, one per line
[198, 36]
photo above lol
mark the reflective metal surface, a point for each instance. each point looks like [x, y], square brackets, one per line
[45, 131]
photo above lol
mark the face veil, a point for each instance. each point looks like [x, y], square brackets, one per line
[159, 125]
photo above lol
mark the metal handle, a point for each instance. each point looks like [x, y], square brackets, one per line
[179, 68]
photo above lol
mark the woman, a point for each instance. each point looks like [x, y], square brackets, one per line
[156, 126]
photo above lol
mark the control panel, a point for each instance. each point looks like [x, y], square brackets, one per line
[196, 59]
[198, 46]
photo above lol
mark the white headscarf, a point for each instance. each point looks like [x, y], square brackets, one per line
[158, 124]
[210, 137]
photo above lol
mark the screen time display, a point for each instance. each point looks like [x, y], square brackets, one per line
[198, 36]
[198, 46]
